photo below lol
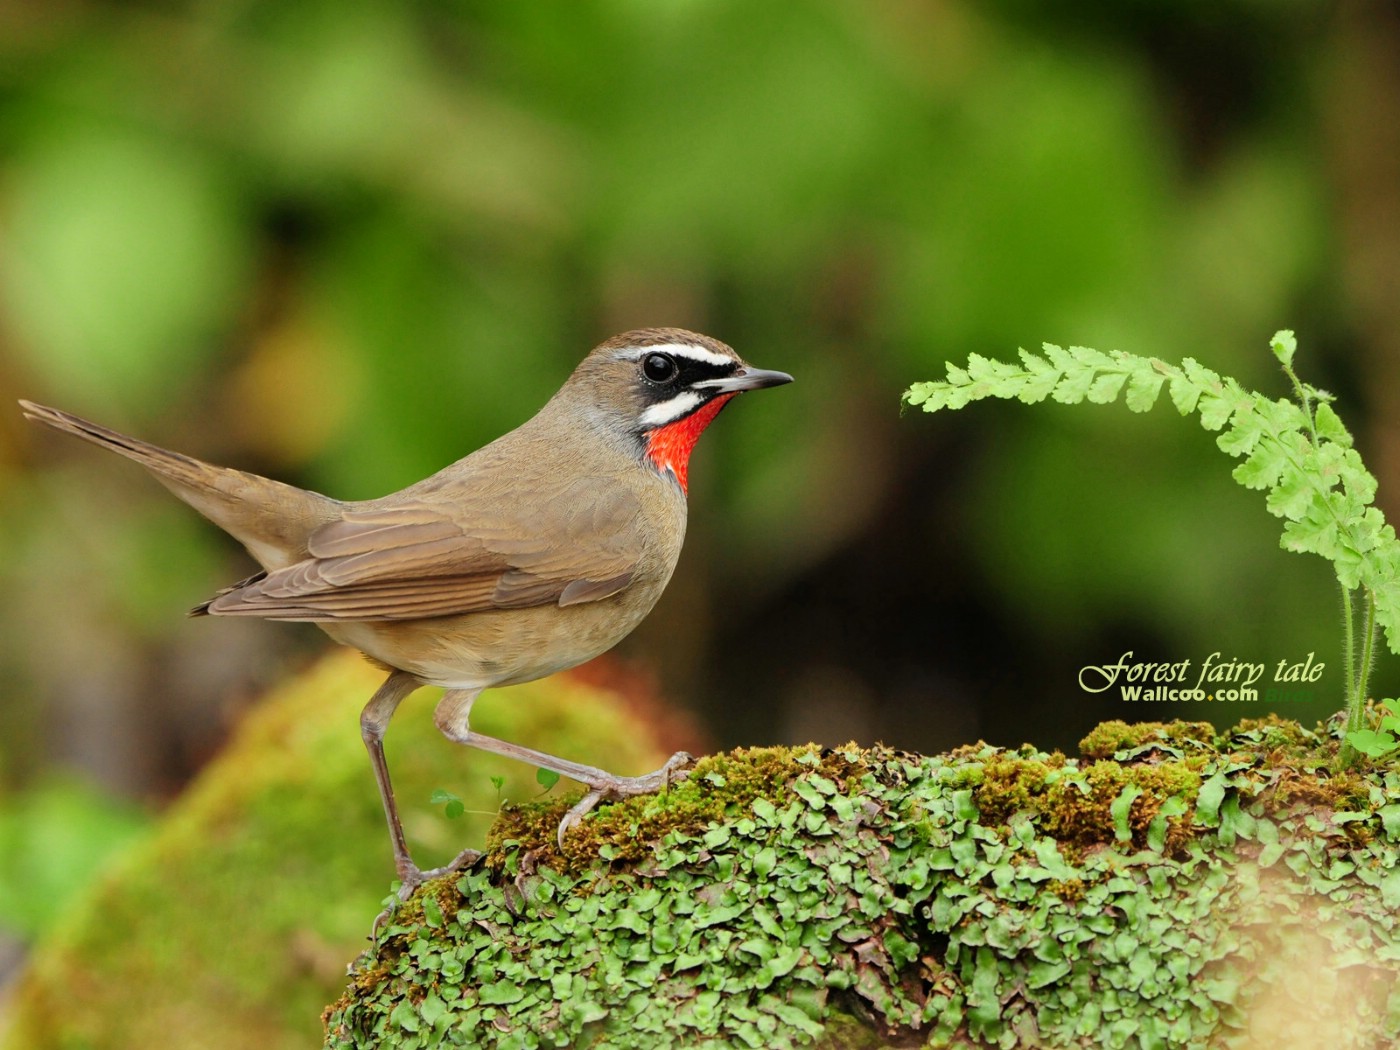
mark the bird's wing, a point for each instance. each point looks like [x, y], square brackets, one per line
[418, 558]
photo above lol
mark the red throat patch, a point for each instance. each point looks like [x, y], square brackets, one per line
[669, 447]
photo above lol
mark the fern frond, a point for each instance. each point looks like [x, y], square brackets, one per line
[1299, 455]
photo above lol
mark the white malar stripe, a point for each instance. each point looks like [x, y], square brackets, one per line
[672, 410]
[688, 350]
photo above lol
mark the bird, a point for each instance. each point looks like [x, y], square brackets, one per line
[531, 555]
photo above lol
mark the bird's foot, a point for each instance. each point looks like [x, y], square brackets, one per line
[608, 787]
[411, 876]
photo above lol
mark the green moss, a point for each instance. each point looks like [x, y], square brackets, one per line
[1295, 766]
[1108, 738]
[1081, 810]
[1092, 805]
[1280, 740]
[718, 786]
[791, 897]
[1068, 890]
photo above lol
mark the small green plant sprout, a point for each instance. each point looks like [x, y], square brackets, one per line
[546, 778]
[1383, 741]
[453, 807]
[1298, 452]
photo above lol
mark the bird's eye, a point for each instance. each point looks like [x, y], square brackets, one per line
[660, 368]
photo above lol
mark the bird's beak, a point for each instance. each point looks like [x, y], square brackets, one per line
[745, 378]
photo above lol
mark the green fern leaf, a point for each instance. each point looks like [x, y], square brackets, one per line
[1279, 415]
[1388, 615]
[1041, 377]
[1284, 346]
[1367, 531]
[984, 370]
[1199, 374]
[1385, 587]
[1144, 384]
[1347, 564]
[918, 393]
[951, 397]
[1240, 437]
[1095, 358]
[1313, 533]
[1060, 358]
[1290, 498]
[1359, 482]
[1215, 410]
[1329, 425]
[1073, 387]
[1266, 463]
[929, 395]
[1104, 390]
[1075, 375]
[1184, 394]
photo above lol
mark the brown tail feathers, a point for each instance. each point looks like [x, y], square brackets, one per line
[269, 518]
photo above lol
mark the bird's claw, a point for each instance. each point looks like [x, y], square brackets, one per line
[677, 768]
[411, 876]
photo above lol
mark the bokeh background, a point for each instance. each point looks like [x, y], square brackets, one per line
[345, 244]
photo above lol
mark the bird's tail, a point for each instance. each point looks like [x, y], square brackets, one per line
[269, 518]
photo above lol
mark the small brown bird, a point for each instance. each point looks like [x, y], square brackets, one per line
[531, 555]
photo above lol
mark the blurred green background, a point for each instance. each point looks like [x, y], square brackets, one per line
[345, 244]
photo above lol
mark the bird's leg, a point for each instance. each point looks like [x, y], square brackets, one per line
[374, 719]
[452, 715]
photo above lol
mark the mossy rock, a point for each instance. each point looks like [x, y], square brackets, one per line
[1187, 889]
[231, 925]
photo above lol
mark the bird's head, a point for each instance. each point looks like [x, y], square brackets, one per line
[661, 387]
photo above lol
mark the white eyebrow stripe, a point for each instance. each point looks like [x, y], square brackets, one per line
[689, 350]
[670, 410]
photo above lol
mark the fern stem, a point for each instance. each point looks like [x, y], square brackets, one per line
[1302, 392]
[1368, 656]
[1358, 670]
[1347, 756]
[1348, 646]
